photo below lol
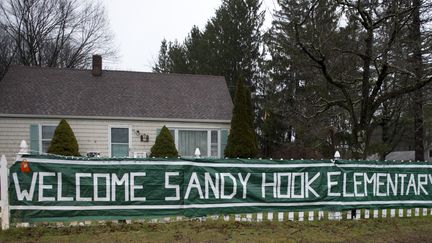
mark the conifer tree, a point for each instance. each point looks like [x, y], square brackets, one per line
[162, 66]
[250, 115]
[164, 145]
[241, 140]
[64, 141]
[229, 45]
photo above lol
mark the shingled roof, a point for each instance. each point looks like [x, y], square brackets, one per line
[71, 92]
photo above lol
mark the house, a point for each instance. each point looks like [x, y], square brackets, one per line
[113, 113]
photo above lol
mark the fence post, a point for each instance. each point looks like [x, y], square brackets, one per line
[23, 150]
[331, 214]
[4, 174]
[337, 155]
[197, 153]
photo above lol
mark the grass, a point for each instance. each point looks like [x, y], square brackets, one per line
[415, 229]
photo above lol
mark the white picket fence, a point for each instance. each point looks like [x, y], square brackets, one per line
[4, 172]
[247, 217]
[268, 216]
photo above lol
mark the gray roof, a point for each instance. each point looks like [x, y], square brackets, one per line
[71, 92]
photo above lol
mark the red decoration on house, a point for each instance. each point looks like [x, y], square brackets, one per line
[25, 167]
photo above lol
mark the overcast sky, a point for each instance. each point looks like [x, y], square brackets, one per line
[140, 25]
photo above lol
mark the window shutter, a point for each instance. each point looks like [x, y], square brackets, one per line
[34, 139]
[224, 140]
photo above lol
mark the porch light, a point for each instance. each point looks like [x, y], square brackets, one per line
[144, 138]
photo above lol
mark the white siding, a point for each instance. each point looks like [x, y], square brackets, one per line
[92, 135]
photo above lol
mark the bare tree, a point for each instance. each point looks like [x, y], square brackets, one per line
[7, 51]
[352, 47]
[56, 33]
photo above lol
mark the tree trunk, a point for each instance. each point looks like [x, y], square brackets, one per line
[359, 143]
[384, 139]
[418, 70]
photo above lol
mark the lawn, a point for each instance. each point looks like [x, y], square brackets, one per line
[415, 229]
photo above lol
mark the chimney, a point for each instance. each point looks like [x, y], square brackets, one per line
[97, 65]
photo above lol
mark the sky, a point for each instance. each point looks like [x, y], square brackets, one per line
[140, 25]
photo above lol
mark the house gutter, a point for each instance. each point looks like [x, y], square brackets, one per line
[113, 118]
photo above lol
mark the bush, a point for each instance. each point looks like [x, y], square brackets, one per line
[164, 145]
[64, 141]
[241, 140]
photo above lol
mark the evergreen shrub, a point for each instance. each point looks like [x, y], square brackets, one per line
[164, 145]
[242, 140]
[64, 141]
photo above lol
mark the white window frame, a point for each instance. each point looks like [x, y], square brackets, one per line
[208, 130]
[129, 127]
[40, 135]
[218, 152]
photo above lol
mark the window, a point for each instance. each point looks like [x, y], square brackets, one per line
[430, 153]
[188, 141]
[47, 132]
[119, 142]
[211, 142]
[214, 145]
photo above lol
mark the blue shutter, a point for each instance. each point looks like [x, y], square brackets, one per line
[34, 139]
[224, 140]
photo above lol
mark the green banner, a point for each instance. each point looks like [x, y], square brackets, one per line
[43, 188]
